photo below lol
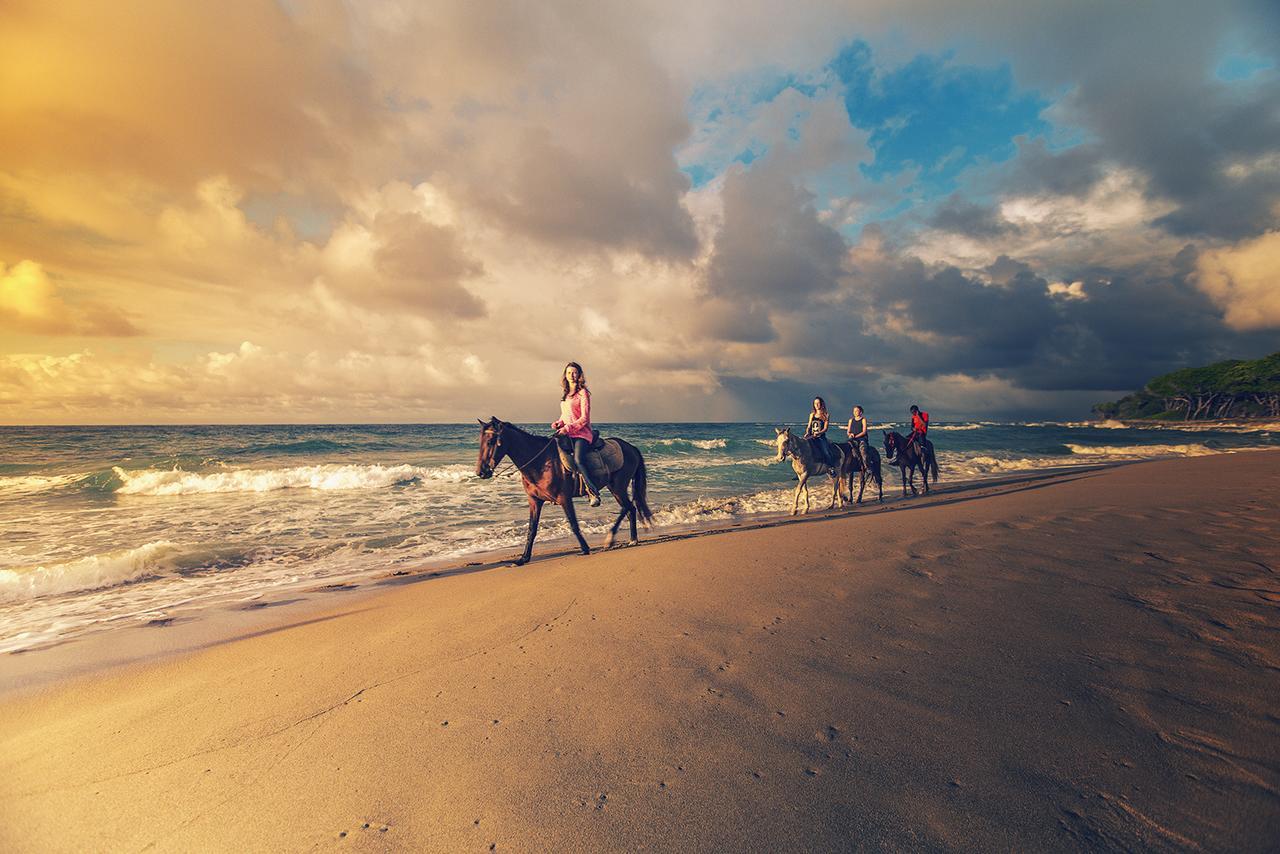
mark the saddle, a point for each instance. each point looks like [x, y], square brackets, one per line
[604, 458]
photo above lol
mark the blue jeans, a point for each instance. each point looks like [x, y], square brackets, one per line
[580, 448]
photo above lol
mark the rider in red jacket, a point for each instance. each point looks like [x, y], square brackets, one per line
[919, 427]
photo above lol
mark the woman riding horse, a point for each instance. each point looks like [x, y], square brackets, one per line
[816, 432]
[574, 423]
[857, 430]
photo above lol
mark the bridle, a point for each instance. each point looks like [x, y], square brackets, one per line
[787, 446]
[511, 460]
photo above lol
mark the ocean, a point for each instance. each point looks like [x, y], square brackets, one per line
[111, 526]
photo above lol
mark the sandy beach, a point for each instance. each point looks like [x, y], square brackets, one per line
[1080, 660]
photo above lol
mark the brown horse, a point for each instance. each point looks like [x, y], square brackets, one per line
[545, 479]
[853, 464]
[903, 453]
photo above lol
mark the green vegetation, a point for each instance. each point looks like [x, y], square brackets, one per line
[1230, 389]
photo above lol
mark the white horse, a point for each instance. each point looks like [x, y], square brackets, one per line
[802, 460]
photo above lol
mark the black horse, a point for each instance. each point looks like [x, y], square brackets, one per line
[853, 464]
[545, 479]
[904, 454]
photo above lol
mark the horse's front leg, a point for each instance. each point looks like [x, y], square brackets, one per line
[535, 513]
[911, 475]
[795, 503]
[566, 501]
[835, 491]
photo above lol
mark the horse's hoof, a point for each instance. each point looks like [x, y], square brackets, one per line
[608, 544]
[520, 561]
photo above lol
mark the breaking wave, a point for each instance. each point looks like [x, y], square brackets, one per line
[1142, 451]
[326, 477]
[33, 483]
[107, 569]
[704, 444]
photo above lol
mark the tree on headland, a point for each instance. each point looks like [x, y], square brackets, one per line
[1232, 389]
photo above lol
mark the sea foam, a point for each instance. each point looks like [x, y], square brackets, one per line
[326, 477]
[1142, 451]
[704, 444]
[33, 483]
[93, 572]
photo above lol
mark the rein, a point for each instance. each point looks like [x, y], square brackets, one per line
[520, 467]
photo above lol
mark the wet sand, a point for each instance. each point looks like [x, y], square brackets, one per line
[1088, 660]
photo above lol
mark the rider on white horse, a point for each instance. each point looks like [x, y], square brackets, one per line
[816, 432]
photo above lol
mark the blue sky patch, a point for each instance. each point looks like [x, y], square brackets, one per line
[1241, 67]
[930, 118]
[934, 114]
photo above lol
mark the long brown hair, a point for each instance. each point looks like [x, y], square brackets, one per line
[822, 405]
[564, 381]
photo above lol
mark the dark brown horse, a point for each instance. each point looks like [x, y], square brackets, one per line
[545, 479]
[904, 454]
[852, 465]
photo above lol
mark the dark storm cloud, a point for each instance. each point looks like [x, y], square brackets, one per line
[1140, 82]
[1070, 172]
[971, 220]
[1129, 326]
[772, 252]
[1202, 144]
[895, 315]
[1229, 209]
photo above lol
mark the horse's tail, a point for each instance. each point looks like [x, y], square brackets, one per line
[933, 465]
[639, 488]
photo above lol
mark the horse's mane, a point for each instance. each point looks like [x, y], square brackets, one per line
[507, 425]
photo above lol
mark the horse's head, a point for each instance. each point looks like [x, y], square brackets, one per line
[784, 442]
[890, 444]
[491, 449]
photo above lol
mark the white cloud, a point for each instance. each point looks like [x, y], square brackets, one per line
[1244, 280]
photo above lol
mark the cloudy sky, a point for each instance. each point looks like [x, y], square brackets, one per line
[300, 210]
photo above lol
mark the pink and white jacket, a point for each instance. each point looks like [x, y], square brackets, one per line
[575, 415]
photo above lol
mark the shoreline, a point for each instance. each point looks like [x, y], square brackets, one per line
[1081, 661]
[49, 665]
